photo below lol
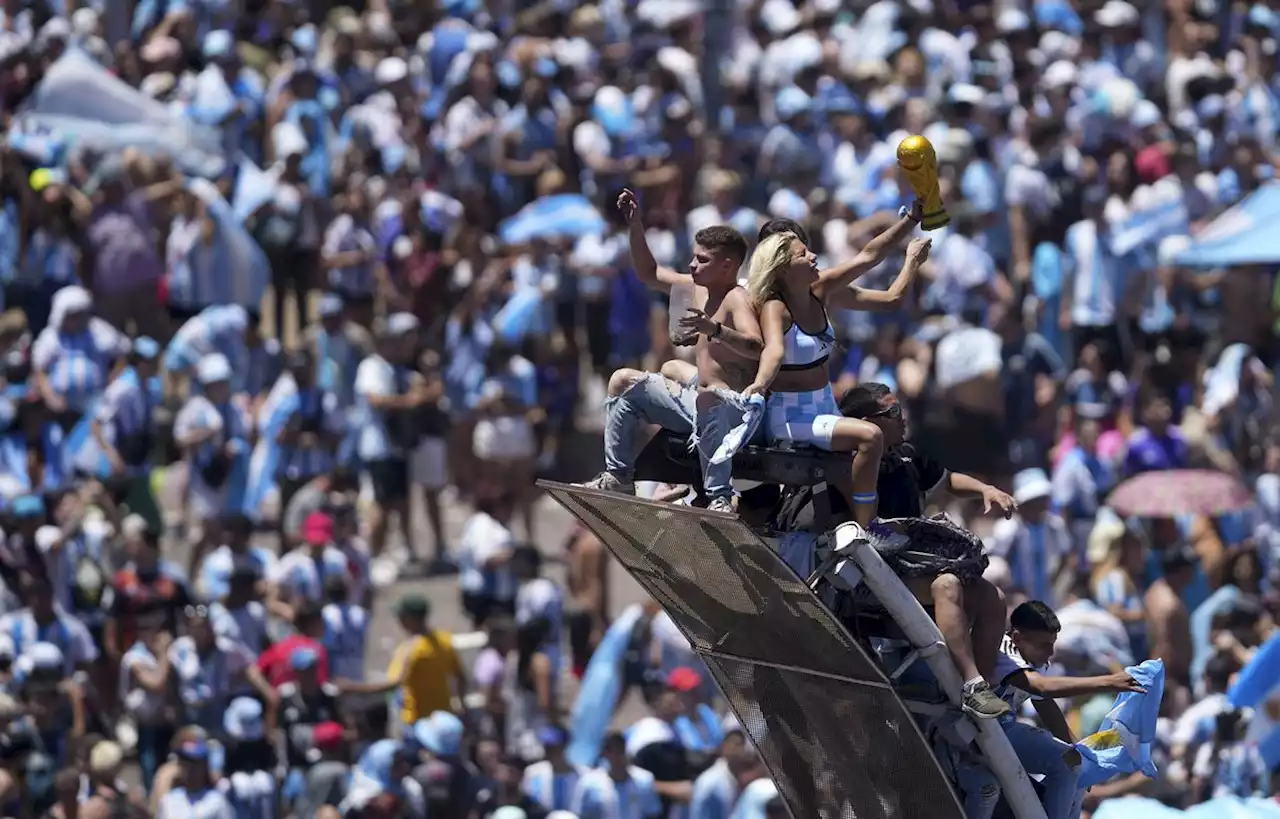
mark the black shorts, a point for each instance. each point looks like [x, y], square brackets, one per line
[579, 625]
[390, 480]
[480, 608]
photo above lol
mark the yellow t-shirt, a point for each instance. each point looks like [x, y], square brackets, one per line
[432, 664]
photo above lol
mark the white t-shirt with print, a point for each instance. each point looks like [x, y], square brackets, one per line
[1009, 662]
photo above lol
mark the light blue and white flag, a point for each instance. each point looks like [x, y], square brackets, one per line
[1122, 743]
[738, 437]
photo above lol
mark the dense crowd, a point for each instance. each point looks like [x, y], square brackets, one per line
[307, 263]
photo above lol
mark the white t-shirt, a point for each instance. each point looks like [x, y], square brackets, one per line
[210, 804]
[375, 377]
[298, 574]
[1009, 662]
[483, 539]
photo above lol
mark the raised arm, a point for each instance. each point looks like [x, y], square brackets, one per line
[860, 298]
[771, 320]
[837, 278]
[655, 277]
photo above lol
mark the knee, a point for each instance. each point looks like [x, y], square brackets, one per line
[984, 594]
[623, 380]
[946, 587]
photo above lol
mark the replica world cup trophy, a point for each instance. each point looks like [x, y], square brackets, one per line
[919, 164]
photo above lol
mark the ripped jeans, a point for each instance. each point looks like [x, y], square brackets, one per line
[706, 416]
[719, 411]
[654, 400]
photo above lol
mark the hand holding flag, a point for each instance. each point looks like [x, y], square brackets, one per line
[1122, 744]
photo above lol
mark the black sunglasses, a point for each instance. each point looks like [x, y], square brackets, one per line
[893, 413]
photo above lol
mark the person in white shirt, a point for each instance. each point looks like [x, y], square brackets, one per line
[485, 551]
[301, 575]
[538, 597]
[346, 628]
[617, 789]
[385, 392]
[1022, 675]
[552, 782]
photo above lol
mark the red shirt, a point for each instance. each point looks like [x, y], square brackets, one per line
[274, 662]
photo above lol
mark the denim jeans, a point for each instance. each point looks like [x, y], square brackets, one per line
[714, 420]
[1040, 752]
[655, 400]
[980, 790]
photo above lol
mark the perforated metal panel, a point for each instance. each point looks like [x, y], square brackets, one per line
[835, 737]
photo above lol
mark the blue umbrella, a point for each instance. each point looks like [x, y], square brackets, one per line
[563, 216]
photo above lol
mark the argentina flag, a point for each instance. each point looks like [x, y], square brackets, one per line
[1122, 743]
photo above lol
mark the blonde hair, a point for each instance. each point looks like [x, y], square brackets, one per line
[770, 258]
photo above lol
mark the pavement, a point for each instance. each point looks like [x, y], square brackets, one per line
[553, 525]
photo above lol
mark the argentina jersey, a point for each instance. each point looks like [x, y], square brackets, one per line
[345, 630]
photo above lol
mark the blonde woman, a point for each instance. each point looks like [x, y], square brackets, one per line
[793, 297]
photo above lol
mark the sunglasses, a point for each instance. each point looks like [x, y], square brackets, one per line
[196, 612]
[893, 413]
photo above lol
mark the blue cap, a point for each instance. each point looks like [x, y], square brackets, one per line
[440, 733]
[553, 736]
[546, 67]
[194, 749]
[303, 658]
[791, 102]
[146, 346]
[243, 719]
[28, 506]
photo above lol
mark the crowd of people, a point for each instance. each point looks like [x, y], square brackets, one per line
[456, 290]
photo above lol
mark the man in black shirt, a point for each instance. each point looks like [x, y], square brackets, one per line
[908, 476]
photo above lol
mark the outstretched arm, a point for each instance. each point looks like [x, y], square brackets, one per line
[834, 279]
[646, 267]
[860, 298]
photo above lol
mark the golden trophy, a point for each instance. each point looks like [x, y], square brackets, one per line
[919, 164]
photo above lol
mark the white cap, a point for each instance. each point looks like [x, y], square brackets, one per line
[105, 757]
[1116, 13]
[964, 92]
[399, 324]
[44, 657]
[391, 69]
[1031, 484]
[1012, 19]
[213, 368]
[780, 17]
[1061, 74]
[1145, 114]
[288, 140]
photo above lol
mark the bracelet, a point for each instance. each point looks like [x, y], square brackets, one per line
[718, 331]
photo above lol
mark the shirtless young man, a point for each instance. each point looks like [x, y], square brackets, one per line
[728, 348]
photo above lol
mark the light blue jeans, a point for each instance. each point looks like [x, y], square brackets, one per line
[716, 416]
[1040, 752]
[655, 400]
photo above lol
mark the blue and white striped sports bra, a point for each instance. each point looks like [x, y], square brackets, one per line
[804, 351]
